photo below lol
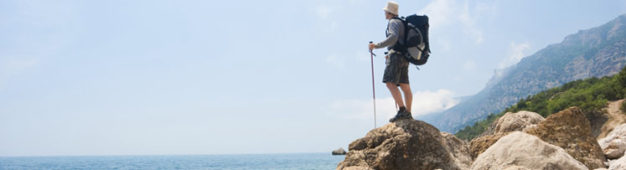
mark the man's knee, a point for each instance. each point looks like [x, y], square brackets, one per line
[405, 87]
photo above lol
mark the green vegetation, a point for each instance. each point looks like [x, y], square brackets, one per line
[591, 95]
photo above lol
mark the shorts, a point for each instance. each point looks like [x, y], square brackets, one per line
[397, 69]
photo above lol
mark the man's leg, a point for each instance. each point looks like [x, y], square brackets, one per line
[408, 95]
[395, 92]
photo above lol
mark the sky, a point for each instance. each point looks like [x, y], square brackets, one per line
[155, 77]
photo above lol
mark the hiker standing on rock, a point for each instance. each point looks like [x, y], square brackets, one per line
[397, 69]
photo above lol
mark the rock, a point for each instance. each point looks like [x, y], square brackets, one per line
[516, 121]
[356, 168]
[615, 118]
[339, 151]
[515, 167]
[509, 122]
[529, 127]
[480, 144]
[459, 150]
[597, 120]
[404, 144]
[619, 164]
[519, 150]
[614, 144]
[570, 130]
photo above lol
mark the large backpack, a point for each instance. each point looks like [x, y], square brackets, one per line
[416, 45]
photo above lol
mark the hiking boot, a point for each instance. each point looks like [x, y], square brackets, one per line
[402, 114]
[409, 115]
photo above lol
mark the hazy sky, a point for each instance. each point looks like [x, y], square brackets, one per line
[221, 77]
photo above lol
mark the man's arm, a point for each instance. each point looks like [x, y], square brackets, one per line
[392, 38]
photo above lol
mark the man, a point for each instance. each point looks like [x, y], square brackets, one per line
[397, 69]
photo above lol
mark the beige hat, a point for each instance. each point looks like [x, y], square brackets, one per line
[392, 7]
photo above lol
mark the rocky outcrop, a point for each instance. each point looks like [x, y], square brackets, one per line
[570, 130]
[509, 122]
[615, 118]
[515, 167]
[597, 119]
[339, 151]
[480, 144]
[459, 150]
[404, 144]
[519, 150]
[619, 164]
[516, 121]
[614, 144]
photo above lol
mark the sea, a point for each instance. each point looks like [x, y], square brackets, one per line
[244, 161]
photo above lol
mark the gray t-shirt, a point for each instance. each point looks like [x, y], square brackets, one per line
[395, 29]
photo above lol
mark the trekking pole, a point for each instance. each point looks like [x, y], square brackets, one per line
[373, 87]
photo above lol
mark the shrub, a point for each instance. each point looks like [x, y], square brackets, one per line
[591, 95]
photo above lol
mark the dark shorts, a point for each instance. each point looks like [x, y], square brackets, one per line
[397, 70]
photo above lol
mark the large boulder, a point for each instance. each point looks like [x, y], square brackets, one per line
[480, 144]
[339, 151]
[619, 164]
[516, 121]
[570, 130]
[519, 150]
[614, 144]
[615, 118]
[404, 144]
[459, 150]
[509, 122]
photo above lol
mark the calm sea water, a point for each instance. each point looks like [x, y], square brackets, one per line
[252, 161]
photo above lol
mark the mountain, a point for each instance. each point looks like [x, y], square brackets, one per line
[591, 95]
[595, 52]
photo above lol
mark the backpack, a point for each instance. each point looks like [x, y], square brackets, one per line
[416, 45]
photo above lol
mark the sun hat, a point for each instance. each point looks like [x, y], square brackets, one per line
[392, 7]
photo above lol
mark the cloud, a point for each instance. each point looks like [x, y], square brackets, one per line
[424, 102]
[452, 14]
[469, 22]
[516, 53]
[440, 12]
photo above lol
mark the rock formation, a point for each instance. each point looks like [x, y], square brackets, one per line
[459, 150]
[519, 150]
[570, 130]
[615, 118]
[339, 151]
[480, 144]
[508, 123]
[404, 144]
[619, 164]
[614, 144]
[516, 141]
[516, 121]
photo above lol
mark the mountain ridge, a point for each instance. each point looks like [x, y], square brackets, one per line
[595, 52]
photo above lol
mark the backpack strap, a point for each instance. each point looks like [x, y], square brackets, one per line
[398, 46]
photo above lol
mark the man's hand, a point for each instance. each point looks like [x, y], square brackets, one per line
[371, 46]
